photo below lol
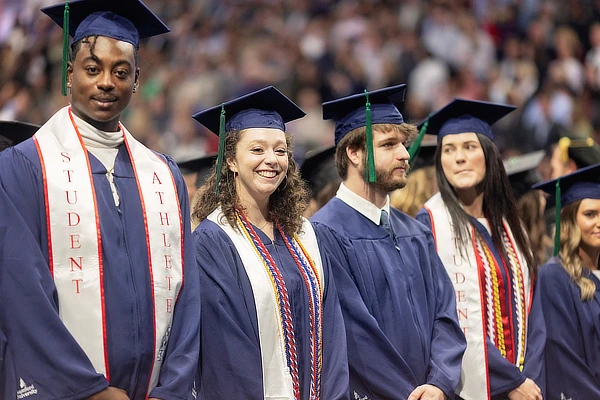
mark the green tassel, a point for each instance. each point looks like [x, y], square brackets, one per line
[221, 146]
[415, 147]
[557, 219]
[370, 170]
[65, 55]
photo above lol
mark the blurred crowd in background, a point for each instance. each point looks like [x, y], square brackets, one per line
[542, 56]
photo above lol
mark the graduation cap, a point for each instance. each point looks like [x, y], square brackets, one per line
[522, 171]
[583, 151]
[365, 109]
[581, 184]
[15, 132]
[423, 153]
[264, 108]
[461, 115]
[124, 20]
[202, 165]
[319, 169]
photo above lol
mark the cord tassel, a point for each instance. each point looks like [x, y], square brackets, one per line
[221, 146]
[370, 170]
[557, 219]
[65, 55]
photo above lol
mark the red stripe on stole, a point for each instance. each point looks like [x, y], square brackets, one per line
[99, 239]
[481, 276]
[150, 269]
[47, 210]
[432, 227]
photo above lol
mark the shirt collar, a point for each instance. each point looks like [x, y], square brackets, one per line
[363, 206]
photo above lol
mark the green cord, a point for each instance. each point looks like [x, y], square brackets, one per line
[221, 146]
[557, 219]
[370, 170]
[65, 55]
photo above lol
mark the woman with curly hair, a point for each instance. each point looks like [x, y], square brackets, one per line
[271, 321]
[569, 289]
[484, 247]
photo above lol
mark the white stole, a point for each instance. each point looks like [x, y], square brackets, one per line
[277, 379]
[75, 243]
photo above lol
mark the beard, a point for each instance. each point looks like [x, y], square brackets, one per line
[386, 178]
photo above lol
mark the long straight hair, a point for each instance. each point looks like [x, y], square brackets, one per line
[498, 204]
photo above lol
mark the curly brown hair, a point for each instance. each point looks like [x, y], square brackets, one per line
[286, 204]
[570, 239]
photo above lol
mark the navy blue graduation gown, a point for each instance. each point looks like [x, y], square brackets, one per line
[504, 375]
[573, 335]
[40, 350]
[397, 301]
[230, 364]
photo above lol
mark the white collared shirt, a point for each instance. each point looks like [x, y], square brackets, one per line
[363, 206]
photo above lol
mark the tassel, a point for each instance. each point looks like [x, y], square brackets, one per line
[65, 55]
[221, 146]
[413, 150]
[557, 219]
[370, 167]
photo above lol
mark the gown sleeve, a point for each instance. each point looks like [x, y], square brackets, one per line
[181, 360]
[44, 354]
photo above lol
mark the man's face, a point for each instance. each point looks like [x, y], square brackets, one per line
[101, 78]
[391, 159]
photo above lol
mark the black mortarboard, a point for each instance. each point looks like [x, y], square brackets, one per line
[424, 154]
[349, 113]
[16, 132]
[264, 108]
[124, 20]
[204, 166]
[319, 169]
[583, 151]
[581, 184]
[522, 171]
[460, 116]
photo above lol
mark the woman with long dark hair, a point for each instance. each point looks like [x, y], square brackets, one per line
[486, 252]
[568, 286]
[271, 322]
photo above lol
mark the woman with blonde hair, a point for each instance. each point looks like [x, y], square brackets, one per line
[569, 288]
[271, 324]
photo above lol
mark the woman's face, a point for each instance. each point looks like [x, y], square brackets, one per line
[261, 162]
[588, 220]
[463, 160]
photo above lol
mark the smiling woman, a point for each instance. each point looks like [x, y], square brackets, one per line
[487, 254]
[271, 322]
[568, 288]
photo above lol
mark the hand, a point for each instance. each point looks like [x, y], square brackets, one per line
[427, 392]
[527, 391]
[110, 393]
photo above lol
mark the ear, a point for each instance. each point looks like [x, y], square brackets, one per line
[137, 76]
[232, 164]
[69, 73]
[354, 155]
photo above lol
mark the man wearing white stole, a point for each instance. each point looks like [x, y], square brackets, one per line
[98, 287]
